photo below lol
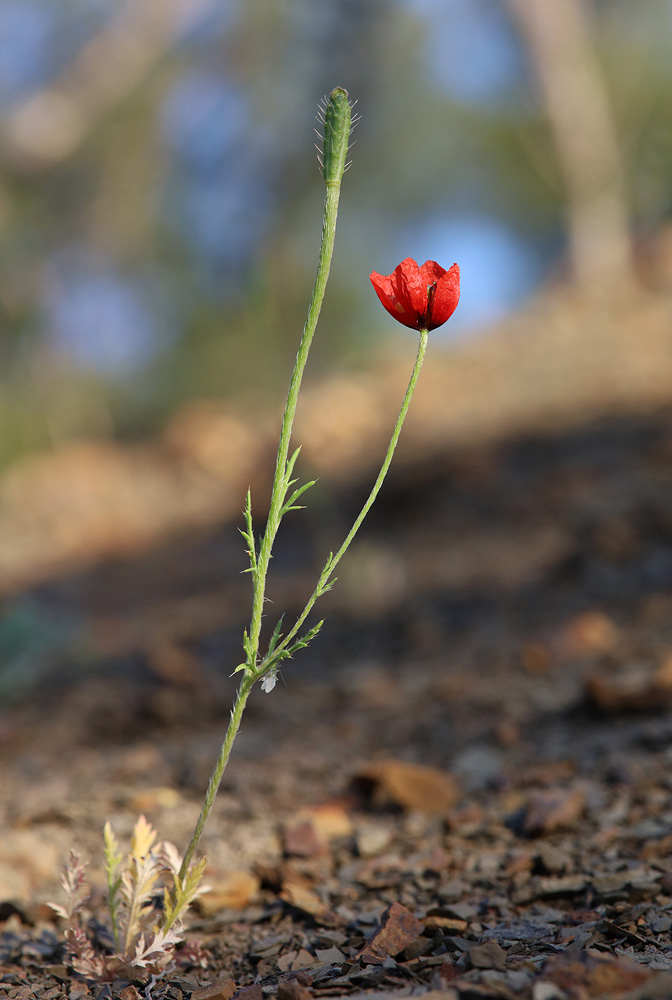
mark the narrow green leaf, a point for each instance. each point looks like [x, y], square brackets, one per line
[112, 862]
[291, 462]
[290, 503]
[275, 637]
[248, 533]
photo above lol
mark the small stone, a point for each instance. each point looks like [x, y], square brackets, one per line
[542, 990]
[129, 993]
[553, 808]
[397, 929]
[453, 890]
[253, 992]
[462, 911]
[659, 923]
[478, 767]
[221, 989]
[372, 838]
[553, 860]
[302, 840]
[487, 956]
[330, 956]
[303, 960]
[293, 990]
[79, 992]
[610, 884]
[284, 963]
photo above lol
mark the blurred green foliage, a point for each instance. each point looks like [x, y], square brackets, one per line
[182, 222]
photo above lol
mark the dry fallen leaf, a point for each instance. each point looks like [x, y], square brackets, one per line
[302, 840]
[589, 976]
[589, 632]
[411, 786]
[396, 930]
[298, 893]
[331, 819]
[221, 989]
[639, 687]
[553, 808]
[234, 891]
[129, 993]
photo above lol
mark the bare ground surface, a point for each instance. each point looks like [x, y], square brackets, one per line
[505, 622]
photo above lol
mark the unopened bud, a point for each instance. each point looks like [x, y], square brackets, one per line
[337, 125]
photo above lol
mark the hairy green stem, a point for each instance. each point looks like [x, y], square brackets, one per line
[249, 679]
[333, 561]
[246, 685]
[337, 120]
[280, 479]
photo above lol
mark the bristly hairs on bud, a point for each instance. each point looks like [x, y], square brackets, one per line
[335, 115]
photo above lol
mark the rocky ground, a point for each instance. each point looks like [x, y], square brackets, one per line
[462, 787]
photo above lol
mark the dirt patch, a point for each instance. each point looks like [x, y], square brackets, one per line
[505, 624]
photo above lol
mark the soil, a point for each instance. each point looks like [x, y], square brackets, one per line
[461, 788]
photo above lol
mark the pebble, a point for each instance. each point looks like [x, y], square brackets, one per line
[372, 838]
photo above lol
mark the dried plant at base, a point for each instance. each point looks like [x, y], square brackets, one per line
[146, 924]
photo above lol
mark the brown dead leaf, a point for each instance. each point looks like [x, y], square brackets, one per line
[234, 891]
[308, 832]
[587, 975]
[536, 658]
[396, 930]
[411, 786]
[293, 990]
[253, 992]
[150, 799]
[331, 819]
[640, 687]
[299, 894]
[300, 958]
[302, 840]
[489, 955]
[221, 989]
[449, 924]
[590, 632]
[550, 809]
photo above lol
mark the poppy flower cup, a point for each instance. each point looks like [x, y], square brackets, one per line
[421, 297]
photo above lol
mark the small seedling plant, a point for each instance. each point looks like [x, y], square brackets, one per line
[421, 297]
[147, 901]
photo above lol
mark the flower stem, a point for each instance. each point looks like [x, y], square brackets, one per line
[323, 583]
[246, 685]
[280, 479]
[337, 119]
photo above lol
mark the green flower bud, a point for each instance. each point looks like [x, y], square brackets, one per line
[337, 125]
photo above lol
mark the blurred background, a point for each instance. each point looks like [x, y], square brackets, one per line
[160, 214]
[160, 199]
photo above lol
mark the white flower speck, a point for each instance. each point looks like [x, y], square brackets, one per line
[269, 681]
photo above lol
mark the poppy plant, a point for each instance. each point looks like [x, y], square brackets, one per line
[422, 297]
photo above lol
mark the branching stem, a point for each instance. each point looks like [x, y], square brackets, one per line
[337, 121]
[281, 483]
[323, 583]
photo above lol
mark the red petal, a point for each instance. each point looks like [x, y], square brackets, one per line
[411, 290]
[446, 296]
[385, 290]
[419, 296]
[431, 272]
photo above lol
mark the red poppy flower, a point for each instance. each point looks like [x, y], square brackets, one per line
[422, 297]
